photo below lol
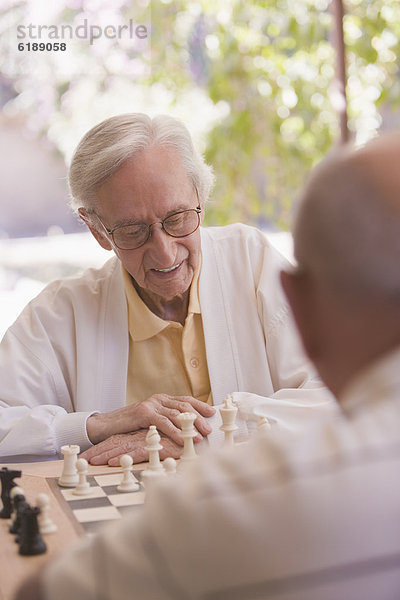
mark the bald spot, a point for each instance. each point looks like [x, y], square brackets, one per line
[347, 231]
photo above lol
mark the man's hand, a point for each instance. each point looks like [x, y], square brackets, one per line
[110, 451]
[160, 410]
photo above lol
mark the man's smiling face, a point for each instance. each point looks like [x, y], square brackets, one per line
[146, 189]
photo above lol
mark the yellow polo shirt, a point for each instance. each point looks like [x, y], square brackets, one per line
[165, 356]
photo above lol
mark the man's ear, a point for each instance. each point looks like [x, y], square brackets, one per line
[300, 294]
[98, 235]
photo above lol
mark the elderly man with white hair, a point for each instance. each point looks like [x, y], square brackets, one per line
[180, 317]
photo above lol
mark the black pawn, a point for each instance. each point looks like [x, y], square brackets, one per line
[19, 504]
[30, 540]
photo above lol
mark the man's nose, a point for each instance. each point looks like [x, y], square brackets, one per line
[162, 243]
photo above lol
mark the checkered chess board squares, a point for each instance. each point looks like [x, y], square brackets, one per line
[105, 503]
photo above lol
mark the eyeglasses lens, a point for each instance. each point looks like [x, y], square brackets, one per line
[179, 224]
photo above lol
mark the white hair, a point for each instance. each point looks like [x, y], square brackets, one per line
[110, 143]
[347, 230]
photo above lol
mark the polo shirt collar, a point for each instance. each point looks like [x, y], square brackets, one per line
[144, 324]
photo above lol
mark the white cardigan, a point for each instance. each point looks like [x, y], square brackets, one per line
[66, 355]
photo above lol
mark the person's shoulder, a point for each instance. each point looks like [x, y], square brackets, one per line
[236, 234]
[245, 238]
[66, 302]
[243, 245]
[90, 282]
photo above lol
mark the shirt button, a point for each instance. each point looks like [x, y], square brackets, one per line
[194, 363]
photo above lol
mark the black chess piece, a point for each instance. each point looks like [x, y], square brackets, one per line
[30, 539]
[7, 477]
[19, 504]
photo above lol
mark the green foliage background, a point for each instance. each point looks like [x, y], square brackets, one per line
[265, 69]
[273, 63]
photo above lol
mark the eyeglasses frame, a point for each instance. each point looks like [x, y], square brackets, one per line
[110, 232]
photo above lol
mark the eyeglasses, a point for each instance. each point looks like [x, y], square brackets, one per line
[178, 225]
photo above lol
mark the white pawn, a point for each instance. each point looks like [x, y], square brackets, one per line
[46, 525]
[69, 476]
[228, 415]
[15, 491]
[149, 477]
[187, 420]
[263, 424]
[128, 483]
[83, 488]
[170, 466]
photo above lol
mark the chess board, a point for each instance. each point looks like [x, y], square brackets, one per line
[105, 504]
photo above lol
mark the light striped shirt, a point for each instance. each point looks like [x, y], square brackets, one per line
[316, 518]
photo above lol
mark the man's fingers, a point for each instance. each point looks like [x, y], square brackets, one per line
[175, 433]
[204, 409]
[102, 457]
[134, 445]
[168, 424]
[173, 407]
[99, 449]
[114, 462]
[89, 453]
[138, 456]
[175, 452]
[114, 447]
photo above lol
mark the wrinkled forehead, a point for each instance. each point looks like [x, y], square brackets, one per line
[152, 172]
[152, 167]
[147, 187]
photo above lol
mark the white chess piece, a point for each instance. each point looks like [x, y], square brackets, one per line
[46, 525]
[169, 465]
[148, 477]
[187, 420]
[153, 447]
[128, 482]
[263, 424]
[154, 469]
[69, 476]
[15, 491]
[83, 487]
[228, 415]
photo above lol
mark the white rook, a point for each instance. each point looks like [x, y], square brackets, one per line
[69, 476]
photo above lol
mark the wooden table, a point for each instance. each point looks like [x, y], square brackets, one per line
[13, 567]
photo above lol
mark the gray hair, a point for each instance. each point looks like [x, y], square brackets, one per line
[347, 230]
[110, 143]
